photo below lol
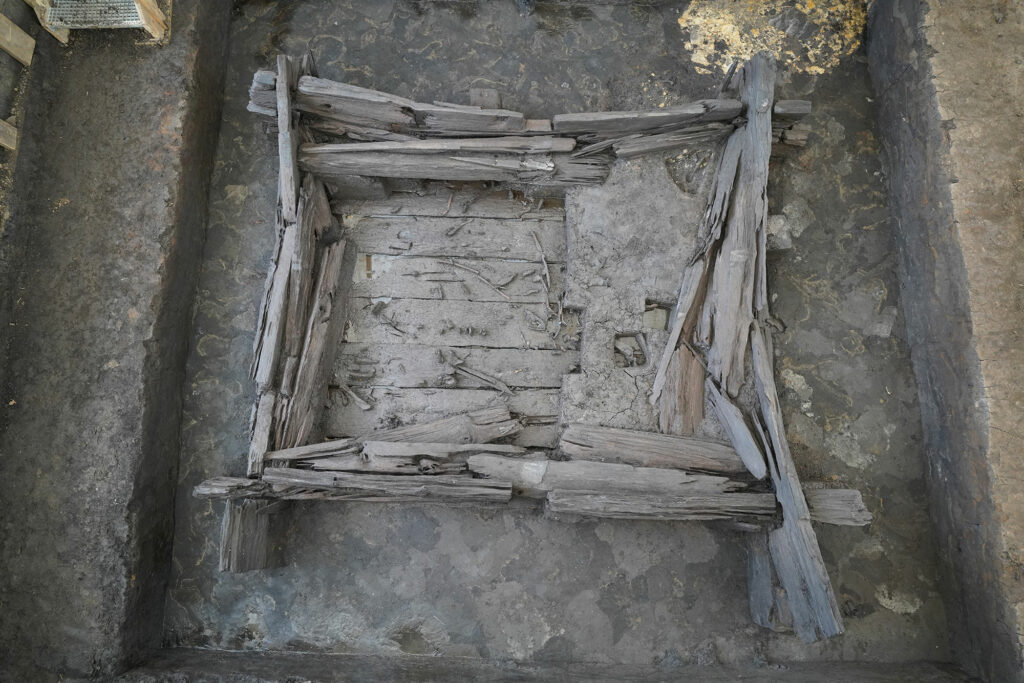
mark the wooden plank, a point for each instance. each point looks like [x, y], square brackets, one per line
[287, 139]
[681, 405]
[153, 19]
[534, 477]
[619, 122]
[437, 451]
[447, 119]
[383, 488]
[452, 323]
[660, 142]
[394, 466]
[688, 291]
[430, 367]
[262, 429]
[784, 558]
[792, 109]
[244, 542]
[466, 166]
[229, 487]
[697, 507]
[760, 584]
[413, 277]
[42, 8]
[648, 449]
[740, 436]
[796, 535]
[497, 145]
[456, 204]
[331, 99]
[8, 136]
[538, 408]
[16, 42]
[500, 238]
[730, 298]
[270, 329]
[842, 507]
[326, 319]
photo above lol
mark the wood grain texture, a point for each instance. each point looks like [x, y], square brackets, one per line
[421, 366]
[451, 237]
[287, 139]
[8, 136]
[425, 277]
[736, 429]
[456, 204]
[16, 42]
[648, 449]
[244, 544]
[619, 122]
[538, 409]
[534, 477]
[496, 145]
[697, 507]
[383, 488]
[270, 328]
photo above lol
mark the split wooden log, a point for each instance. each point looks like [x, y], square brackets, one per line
[326, 319]
[736, 289]
[244, 544]
[647, 449]
[794, 546]
[660, 142]
[464, 166]
[697, 507]
[263, 424]
[494, 145]
[383, 488]
[681, 405]
[735, 426]
[473, 427]
[263, 93]
[273, 315]
[614, 123]
[287, 138]
[769, 607]
[385, 457]
[840, 507]
[535, 477]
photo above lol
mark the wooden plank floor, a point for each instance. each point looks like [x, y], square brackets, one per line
[454, 305]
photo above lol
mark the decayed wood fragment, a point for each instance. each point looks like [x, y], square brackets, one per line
[620, 122]
[794, 545]
[647, 449]
[383, 488]
[243, 542]
[659, 142]
[271, 326]
[698, 507]
[736, 429]
[730, 302]
[287, 139]
[325, 319]
[769, 606]
[495, 145]
[534, 477]
[842, 507]
[263, 425]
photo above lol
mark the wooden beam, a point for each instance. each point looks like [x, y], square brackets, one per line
[8, 136]
[40, 7]
[153, 19]
[16, 42]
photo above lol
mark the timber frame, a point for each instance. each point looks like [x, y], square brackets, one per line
[719, 335]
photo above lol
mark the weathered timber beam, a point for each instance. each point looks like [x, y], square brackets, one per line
[611, 123]
[648, 449]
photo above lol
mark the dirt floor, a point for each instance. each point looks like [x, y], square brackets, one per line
[382, 579]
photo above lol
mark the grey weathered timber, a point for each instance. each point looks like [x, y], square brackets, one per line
[448, 119]
[324, 449]
[363, 106]
[688, 292]
[396, 465]
[457, 204]
[417, 365]
[229, 487]
[271, 327]
[534, 477]
[712, 223]
[262, 428]
[681, 405]
[263, 93]
[619, 122]
[730, 300]
[659, 142]
[326, 318]
[497, 145]
[698, 507]
[441, 322]
[537, 408]
[647, 449]
[480, 425]
[437, 451]
[769, 606]
[243, 538]
[443, 237]
[287, 139]
[543, 168]
[842, 507]
[792, 109]
[805, 569]
[740, 436]
[384, 488]
[416, 277]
